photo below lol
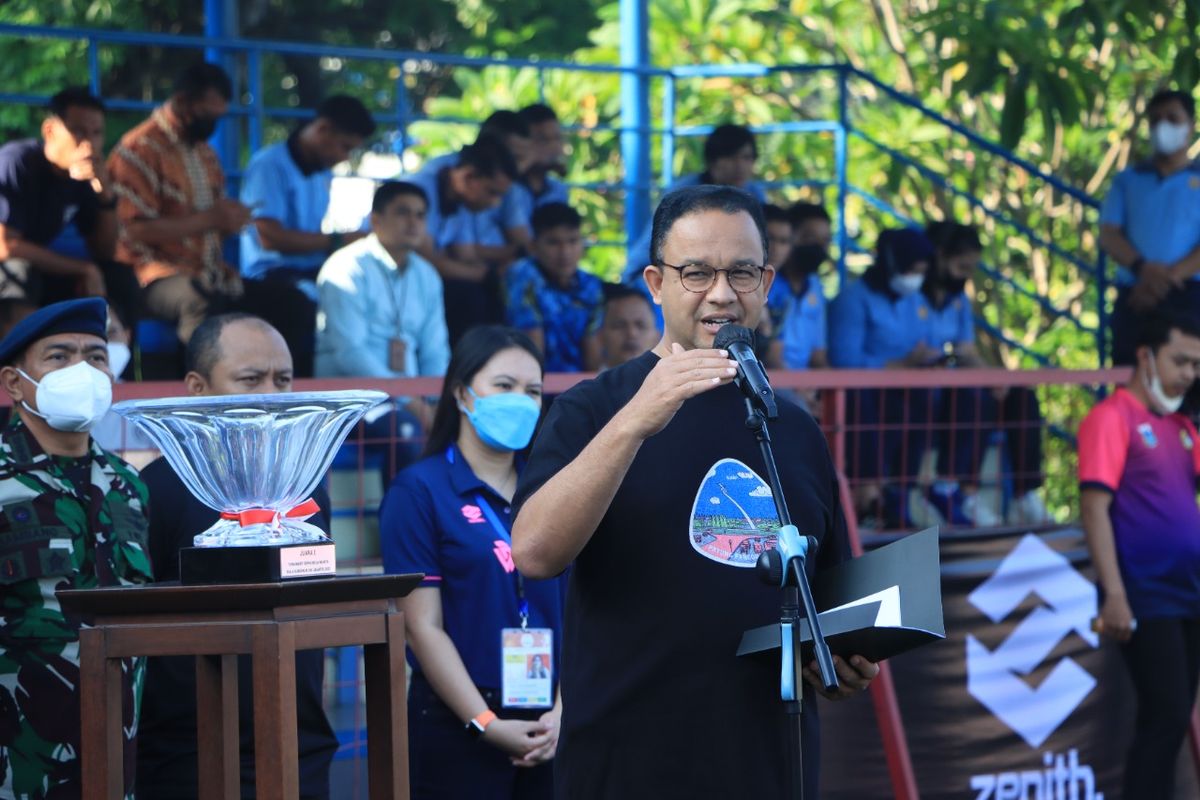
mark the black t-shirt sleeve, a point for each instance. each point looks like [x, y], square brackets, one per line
[835, 548]
[569, 426]
[85, 217]
[14, 184]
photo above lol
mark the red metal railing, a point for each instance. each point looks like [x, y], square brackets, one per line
[1062, 397]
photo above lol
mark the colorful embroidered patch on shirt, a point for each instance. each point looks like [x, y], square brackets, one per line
[1147, 434]
[734, 518]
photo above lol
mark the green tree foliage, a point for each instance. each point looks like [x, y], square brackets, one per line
[1061, 82]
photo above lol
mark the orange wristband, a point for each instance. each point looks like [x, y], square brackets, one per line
[484, 719]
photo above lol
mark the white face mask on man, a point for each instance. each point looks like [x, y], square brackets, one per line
[1158, 397]
[72, 399]
[1169, 137]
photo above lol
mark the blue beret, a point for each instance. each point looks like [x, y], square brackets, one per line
[89, 315]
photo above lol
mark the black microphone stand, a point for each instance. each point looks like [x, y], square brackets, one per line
[785, 567]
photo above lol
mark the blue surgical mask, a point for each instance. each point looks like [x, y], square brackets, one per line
[504, 421]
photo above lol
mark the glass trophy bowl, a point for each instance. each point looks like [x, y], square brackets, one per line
[255, 458]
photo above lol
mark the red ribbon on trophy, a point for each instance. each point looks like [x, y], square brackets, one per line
[269, 516]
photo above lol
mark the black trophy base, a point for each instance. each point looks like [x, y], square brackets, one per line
[256, 564]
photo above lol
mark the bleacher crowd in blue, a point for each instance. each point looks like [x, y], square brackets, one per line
[473, 269]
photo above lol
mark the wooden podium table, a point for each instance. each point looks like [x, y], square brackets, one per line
[268, 621]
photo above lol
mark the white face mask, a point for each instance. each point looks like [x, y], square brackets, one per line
[73, 399]
[904, 285]
[1168, 137]
[1158, 398]
[119, 356]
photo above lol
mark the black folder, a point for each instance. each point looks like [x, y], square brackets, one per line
[876, 606]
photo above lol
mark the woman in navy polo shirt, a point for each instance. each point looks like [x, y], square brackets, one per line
[483, 722]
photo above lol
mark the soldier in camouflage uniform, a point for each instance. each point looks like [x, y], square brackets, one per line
[72, 516]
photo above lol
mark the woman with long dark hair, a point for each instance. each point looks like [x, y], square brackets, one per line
[483, 710]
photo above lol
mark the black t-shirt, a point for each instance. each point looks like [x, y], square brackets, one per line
[655, 701]
[39, 201]
[166, 761]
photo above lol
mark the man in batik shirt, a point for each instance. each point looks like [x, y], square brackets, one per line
[172, 207]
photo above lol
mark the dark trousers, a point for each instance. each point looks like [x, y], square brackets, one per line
[448, 763]
[471, 303]
[277, 299]
[967, 420]
[393, 441]
[181, 300]
[888, 432]
[1163, 657]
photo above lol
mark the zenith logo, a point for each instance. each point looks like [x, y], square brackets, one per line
[997, 678]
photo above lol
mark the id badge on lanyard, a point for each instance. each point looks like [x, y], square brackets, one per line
[526, 654]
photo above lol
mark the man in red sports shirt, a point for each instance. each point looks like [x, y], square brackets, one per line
[1138, 463]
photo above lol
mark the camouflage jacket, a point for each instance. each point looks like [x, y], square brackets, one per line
[65, 523]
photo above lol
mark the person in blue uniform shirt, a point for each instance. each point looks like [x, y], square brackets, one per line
[1150, 224]
[286, 186]
[970, 418]
[881, 321]
[475, 180]
[797, 302]
[548, 158]
[228, 354]
[449, 516]
[635, 481]
[730, 154]
[501, 232]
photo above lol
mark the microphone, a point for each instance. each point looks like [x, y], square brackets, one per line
[751, 377]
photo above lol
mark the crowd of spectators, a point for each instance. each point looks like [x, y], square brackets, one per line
[487, 235]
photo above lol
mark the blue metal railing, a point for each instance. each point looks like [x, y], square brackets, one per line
[636, 128]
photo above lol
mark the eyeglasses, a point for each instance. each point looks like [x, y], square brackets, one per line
[700, 278]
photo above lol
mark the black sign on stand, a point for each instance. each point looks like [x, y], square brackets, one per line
[876, 606]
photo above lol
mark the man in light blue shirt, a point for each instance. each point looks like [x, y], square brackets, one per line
[504, 230]
[548, 153]
[286, 185]
[730, 153]
[476, 180]
[381, 312]
[1150, 225]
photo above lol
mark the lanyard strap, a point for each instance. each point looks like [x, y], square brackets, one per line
[502, 532]
[397, 306]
